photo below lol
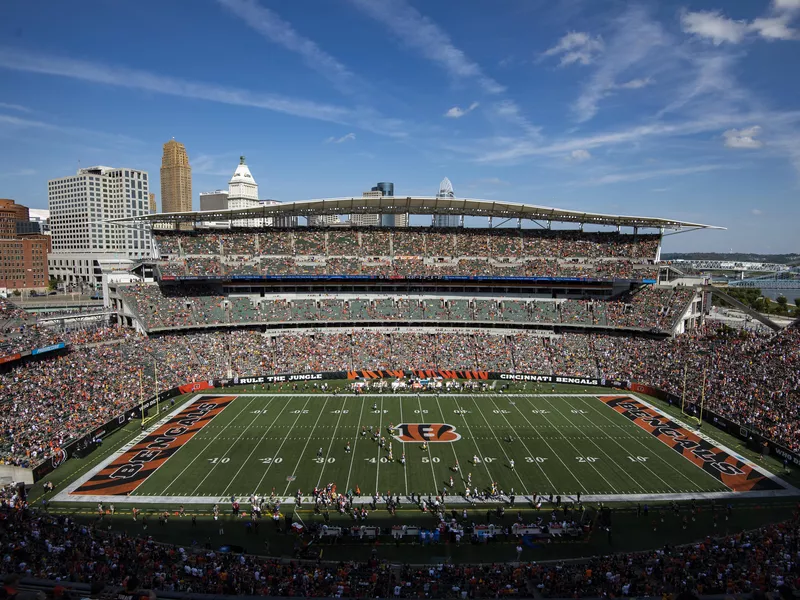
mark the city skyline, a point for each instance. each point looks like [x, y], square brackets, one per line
[681, 109]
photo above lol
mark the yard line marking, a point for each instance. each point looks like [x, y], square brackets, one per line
[430, 458]
[403, 446]
[474, 443]
[639, 441]
[225, 454]
[199, 454]
[341, 411]
[355, 443]
[308, 439]
[544, 439]
[524, 489]
[225, 493]
[613, 489]
[278, 451]
[378, 465]
[452, 446]
[552, 486]
[562, 436]
[613, 439]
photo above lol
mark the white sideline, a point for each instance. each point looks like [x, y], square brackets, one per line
[788, 490]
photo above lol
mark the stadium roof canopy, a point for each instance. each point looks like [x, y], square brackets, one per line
[417, 205]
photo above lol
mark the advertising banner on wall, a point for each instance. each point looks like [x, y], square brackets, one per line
[88, 441]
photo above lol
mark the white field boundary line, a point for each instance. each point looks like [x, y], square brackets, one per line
[788, 491]
[791, 490]
[64, 495]
[640, 440]
[602, 451]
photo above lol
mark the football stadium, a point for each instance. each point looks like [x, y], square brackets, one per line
[381, 397]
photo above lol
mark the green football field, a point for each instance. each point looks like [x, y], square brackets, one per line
[560, 444]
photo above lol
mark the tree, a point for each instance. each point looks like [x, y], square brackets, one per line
[782, 304]
[767, 305]
[797, 302]
[52, 284]
[17, 293]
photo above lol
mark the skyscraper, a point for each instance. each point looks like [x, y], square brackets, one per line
[446, 191]
[176, 179]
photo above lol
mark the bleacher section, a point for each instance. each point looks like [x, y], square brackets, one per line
[407, 252]
[166, 307]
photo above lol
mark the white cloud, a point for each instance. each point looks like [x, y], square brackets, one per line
[774, 28]
[163, 84]
[642, 175]
[580, 155]
[15, 107]
[634, 39]
[218, 165]
[280, 32]
[423, 35]
[715, 26]
[20, 123]
[576, 47]
[635, 84]
[743, 138]
[787, 5]
[757, 212]
[457, 112]
[718, 28]
[346, 137]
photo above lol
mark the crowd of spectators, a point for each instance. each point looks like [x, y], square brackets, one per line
[409, 251]
[58, 548]
[753, 379]
[411, 241]
[170, 306]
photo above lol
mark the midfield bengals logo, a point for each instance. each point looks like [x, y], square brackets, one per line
[426, 432]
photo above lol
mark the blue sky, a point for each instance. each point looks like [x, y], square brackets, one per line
[682, 109]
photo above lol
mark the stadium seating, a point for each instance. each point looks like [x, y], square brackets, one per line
[751, 379]
[409, 252]
[169, 306]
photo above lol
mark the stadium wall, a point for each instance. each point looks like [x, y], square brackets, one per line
[87, 443]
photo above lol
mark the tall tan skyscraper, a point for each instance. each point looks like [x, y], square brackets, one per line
[152, 200]
[176, 179]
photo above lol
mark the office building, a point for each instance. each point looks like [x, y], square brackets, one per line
[216, 200]
[243, 193]
[151, 199]
[380, 190]
[446, 191]
[23, 249]
[23, 262]
[324, 220]
[80, 209]
[176, 179]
